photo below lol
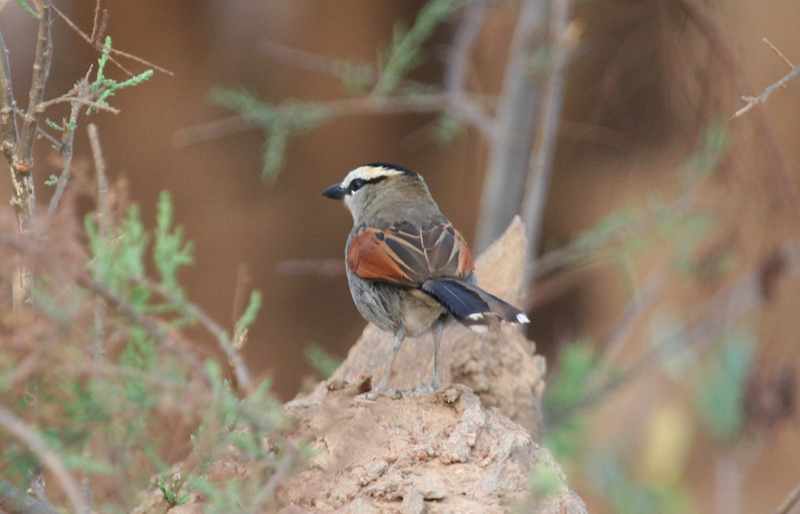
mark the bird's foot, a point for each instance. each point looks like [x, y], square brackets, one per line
[430, 388]
[388, 392]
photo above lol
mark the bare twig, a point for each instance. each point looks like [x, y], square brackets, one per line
[455, 75]
[103, 224]
[76, 99]
[464, 42]
[103, 211]
[789, 502]
[8, 122]
[66, 149]
[31, 438]
[566, 38]
[620, 334]
[307, 60]
[211, 130]
[42, 131]
[98, 23]
[15, 501]
[514, 127]
[727, 484]
[752, 101]
[98, 45]
[780, 54]
[720, 45]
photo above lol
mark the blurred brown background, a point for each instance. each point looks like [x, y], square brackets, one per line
[637, 100]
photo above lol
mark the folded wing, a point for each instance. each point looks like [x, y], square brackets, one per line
[408, 255]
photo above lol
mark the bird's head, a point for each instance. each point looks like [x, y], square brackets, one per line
[364, 185]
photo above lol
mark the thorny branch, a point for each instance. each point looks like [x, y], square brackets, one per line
[31, 438]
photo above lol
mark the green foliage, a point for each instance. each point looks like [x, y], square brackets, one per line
[703, 163]
[324, 363]
[171, 496]
[105, 88]
[546, 479]
[170, 251]
[627, 494]
[541, 60]
[405, 52]
[144, 396]
[358, 77]
[118, 257]
[566, 390]
[51, 181]
[28, 9]
[720, 386]
[448, 128]
[278, 122]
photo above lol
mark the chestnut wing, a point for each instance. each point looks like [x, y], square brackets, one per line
[408, 255]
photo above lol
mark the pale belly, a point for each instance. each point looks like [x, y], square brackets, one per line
[420, 311]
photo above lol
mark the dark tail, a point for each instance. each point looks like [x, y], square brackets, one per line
[470, 304]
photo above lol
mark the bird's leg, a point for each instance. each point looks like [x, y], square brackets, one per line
[436, 332]
[383, 387]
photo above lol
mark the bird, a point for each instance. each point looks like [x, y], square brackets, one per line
[409, 270]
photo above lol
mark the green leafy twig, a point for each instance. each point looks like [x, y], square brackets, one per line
[405, 52]
[104, 87]
[278, 122]
[28, 9]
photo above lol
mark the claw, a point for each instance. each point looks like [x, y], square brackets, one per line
[394, 394]
[432, 387]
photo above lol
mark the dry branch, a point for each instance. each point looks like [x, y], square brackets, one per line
[514, 124]
[18, 143]
[789, 502]
[16, 501]
[752, 101]
[566, 37]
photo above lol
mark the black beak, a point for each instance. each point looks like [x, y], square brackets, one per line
[335, 192]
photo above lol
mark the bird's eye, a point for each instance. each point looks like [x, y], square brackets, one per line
[356, 185]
